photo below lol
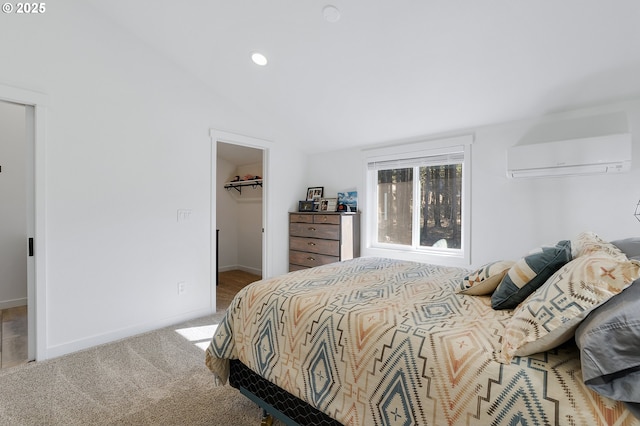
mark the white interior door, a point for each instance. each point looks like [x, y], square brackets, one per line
[31, 231]
[33, 109]
[17, 268]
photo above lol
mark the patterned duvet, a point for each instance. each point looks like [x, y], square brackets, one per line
[384, 342]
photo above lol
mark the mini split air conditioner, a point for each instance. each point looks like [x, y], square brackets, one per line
[594, 155]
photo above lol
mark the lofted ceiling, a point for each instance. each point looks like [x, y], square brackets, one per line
[238, 155]
[394, 70]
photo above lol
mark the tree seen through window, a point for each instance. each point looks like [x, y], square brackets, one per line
[439, 204]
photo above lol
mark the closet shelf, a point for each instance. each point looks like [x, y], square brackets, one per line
[239, 184]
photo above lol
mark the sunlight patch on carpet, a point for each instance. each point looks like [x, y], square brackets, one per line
[200, 335]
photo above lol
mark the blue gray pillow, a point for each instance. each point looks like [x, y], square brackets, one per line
[609, 342]
[529, 273]
[629, 246]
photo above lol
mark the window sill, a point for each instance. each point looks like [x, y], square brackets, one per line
[436, 258]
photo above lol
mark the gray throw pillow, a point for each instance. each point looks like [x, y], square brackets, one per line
[529, 273]
[629, 246]
[609, 342]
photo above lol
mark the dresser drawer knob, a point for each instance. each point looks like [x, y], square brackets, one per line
[311, 228]
[311, 258]
[311, 244]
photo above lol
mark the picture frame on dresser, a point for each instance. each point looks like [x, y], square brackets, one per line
[315, 193]
[328, 204]
[348, 201]
[305, 206]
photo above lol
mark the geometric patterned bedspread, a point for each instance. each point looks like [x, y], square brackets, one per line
[374, 341]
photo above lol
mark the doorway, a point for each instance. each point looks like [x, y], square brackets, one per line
[15, 210]
[34, 104]
[239, 205]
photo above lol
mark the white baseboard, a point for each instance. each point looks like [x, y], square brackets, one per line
[6, 304]
[81, 344]
[227, 268]
[248, 269]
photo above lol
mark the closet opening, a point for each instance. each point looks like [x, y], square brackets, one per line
[239, 226]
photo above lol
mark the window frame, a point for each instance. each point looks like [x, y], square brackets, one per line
[407, 153]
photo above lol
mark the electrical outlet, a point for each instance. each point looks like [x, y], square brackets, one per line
[182, 288]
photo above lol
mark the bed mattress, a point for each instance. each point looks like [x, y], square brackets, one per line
[375, 341]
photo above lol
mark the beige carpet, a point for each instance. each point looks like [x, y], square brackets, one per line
[157, 378]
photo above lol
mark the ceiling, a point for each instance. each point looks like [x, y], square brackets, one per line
[238, 154]
[395, 70]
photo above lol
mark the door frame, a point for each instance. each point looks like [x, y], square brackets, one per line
[251, 142]
[36, 206]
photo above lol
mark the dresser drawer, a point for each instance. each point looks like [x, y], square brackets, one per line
[300, 218]
[327, 218]
[315, 230]
[320, 238]
[314, 245]
[293, 267]
[310, 259]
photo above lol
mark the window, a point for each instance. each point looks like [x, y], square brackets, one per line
[417, 200]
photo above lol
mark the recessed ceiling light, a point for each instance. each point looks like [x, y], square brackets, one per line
[331, 13]
[259, 59]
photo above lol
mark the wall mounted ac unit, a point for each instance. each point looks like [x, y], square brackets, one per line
[595, 155]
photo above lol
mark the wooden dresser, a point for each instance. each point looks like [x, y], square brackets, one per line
[320, 238]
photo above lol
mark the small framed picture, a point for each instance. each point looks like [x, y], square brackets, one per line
[314, 193]
[305, 206]
[348, 201]
[328, 204]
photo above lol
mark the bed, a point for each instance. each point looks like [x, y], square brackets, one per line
[374, 341]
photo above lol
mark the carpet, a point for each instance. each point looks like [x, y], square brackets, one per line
[157, 378]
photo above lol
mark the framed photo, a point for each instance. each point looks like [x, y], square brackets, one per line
[305, 206]
[348, 201]
[314, 193]
[328, 204]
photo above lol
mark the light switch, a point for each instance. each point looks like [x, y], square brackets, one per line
[184, 215]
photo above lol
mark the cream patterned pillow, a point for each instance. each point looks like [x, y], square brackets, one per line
[485, 280]
[587, 243]
[549, 316]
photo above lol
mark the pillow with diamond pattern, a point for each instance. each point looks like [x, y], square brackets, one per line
[485, 279]
[550, 316]
[588, 242]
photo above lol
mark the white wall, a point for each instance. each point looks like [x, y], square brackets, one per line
[128, 144]
[249, 212]
[13, 206]
[509, 218]
[227, 219]
[284, 185]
